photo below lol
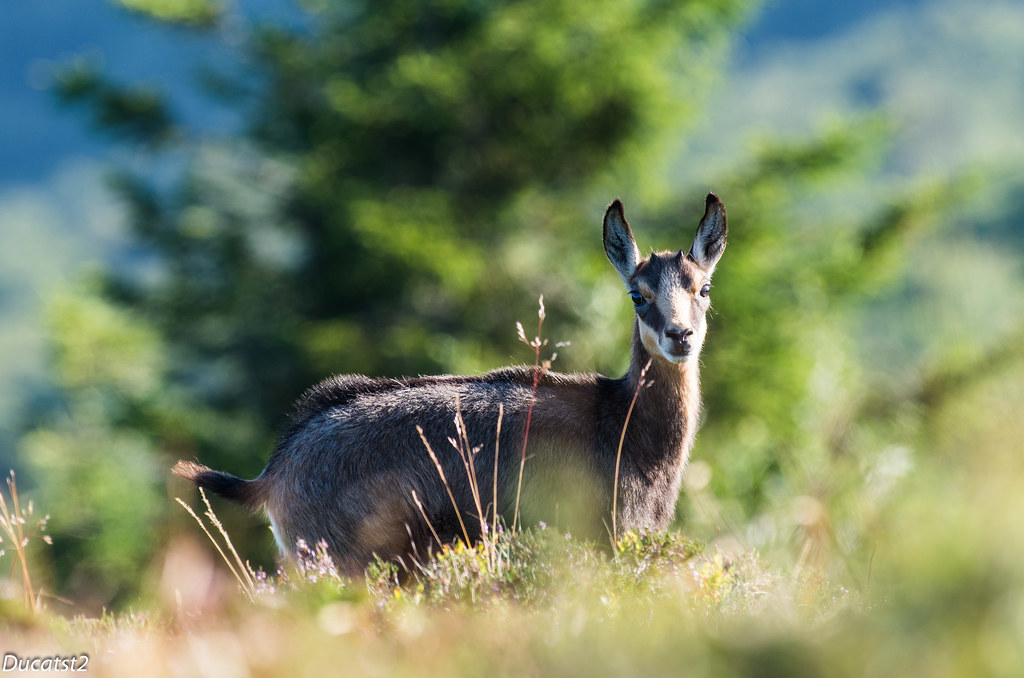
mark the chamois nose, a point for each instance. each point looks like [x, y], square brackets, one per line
[678, 334]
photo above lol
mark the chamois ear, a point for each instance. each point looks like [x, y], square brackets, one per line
[619, 244]
[709, 243]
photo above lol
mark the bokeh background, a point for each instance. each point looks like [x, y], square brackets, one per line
[206, 206]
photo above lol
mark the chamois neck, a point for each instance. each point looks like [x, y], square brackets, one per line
[664, 419]
[668, 380]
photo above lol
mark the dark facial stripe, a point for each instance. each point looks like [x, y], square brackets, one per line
[651, 315]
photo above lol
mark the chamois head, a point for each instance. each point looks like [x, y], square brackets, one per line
[670, 290]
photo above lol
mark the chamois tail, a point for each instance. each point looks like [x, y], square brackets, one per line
[249, 493]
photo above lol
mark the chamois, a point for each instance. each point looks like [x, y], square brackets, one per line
[346, 469]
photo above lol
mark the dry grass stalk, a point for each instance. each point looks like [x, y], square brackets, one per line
[13, 525]
[467, 453]
[538, 368]
[618, 452]
[494, 491]
[423, 513]
[238, 568]
[448, 489]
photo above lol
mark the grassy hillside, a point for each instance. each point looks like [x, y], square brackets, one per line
[941, 595]
[656, 605]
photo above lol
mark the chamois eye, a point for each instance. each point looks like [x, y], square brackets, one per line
[637, 298]
[705, 290]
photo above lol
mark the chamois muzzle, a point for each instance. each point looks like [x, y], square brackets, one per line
[679, 342]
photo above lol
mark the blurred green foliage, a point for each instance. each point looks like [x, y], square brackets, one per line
[412, 175]
[185, 12]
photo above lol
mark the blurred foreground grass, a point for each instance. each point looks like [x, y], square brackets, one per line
[660, 604]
